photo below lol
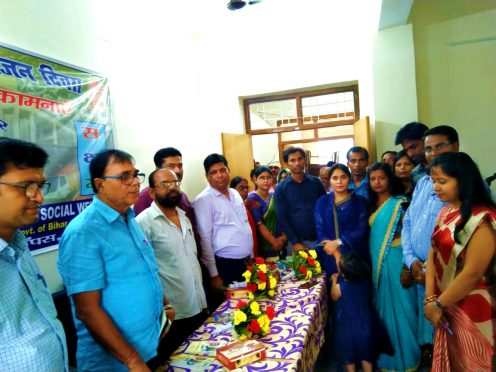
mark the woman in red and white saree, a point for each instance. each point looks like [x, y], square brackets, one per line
[460, 281]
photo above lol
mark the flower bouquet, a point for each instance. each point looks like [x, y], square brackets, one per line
[304, 265]
[251, 321]
[259, 280]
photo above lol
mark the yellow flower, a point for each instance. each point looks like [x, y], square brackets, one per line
[262, 285]
[303, 254]
[273, 282]
[271, 293]
[247, 275]
[239, 317]
[251, 296]
[309, 274]
[255, 309]
[262, 268]
[318, 269]
[264, 322]
[313, 254]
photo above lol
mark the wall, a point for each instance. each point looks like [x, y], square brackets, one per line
[395, 95]
[455, 47]
[176, 69]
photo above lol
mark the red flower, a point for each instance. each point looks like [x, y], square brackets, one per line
[270, 312]
[252, 287]
[262, 276]
[259, 260]
[254, 326]
[311, 261]
[303, 270]
[249, 267]
[240, 304]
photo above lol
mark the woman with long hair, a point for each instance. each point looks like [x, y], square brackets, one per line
[262, 207]
[395, 302]
[460, 294]
[403, 165]
[341, 220]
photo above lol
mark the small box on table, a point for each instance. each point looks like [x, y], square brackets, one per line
[240, 353]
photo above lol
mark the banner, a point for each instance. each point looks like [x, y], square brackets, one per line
[66, 110]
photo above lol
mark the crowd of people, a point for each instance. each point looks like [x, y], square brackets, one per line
[407, 245]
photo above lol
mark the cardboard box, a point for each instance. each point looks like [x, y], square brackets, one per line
[241, 353]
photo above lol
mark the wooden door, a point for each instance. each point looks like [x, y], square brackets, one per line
[238, 150]
[362, 137]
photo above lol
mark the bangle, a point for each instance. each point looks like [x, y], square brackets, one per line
[168, 307]
[438, 304]
[133, 353]
[430, 299]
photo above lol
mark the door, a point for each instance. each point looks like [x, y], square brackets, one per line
[238, 150]
[362, 137]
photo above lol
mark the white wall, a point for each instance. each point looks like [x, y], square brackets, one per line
[395, 95]
[176, 69]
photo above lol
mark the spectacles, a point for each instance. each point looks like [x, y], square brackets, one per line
[128, 179]
[30, 189]
[438, 147]
[167, 184]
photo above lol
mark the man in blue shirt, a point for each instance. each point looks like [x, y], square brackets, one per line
[420, 220]
[111, 273]
[31, 336]
[295, 200]
[358, 161]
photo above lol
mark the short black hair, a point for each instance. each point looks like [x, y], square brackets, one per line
[330, 163]
[360, 149]
[102, 159]
[214, 159]
[388, 152]
[411, 131]
[443, 130]
[166, 152]
[292, 150]
[21, 154]
[353, 267]
[236, 181]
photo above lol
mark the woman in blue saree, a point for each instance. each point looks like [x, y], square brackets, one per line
[341, 219]
[395, 304]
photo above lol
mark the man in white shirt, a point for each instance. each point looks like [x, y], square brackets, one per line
[226, 236]
[171, 236]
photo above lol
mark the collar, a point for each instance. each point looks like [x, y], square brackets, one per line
[217, 193]
[109, 213]
[17, 244]
[306, 177]
[155, 212]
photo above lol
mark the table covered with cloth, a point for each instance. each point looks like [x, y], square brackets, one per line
[296, 332]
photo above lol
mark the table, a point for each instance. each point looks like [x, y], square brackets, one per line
[296, 332]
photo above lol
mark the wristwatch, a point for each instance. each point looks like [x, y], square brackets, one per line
[340, 242]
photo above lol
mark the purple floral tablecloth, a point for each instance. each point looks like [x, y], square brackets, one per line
[295, 338]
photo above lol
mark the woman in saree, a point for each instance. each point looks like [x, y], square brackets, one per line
[341, 220]
[460, 297]
[403, 165]
[262, 207]
[395, 302]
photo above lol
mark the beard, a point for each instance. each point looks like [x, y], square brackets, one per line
[170, 200]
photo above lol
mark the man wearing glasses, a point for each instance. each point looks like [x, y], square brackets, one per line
[171, 235]
[110, 272]
[418, 225]
[31, 336]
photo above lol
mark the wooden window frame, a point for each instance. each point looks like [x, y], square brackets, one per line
[300, 120]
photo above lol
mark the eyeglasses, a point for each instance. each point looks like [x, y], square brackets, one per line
[128, 179]
[438, 147]
[30, 189]
[167, 184]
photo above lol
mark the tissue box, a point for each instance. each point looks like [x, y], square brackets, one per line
[240, 353]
